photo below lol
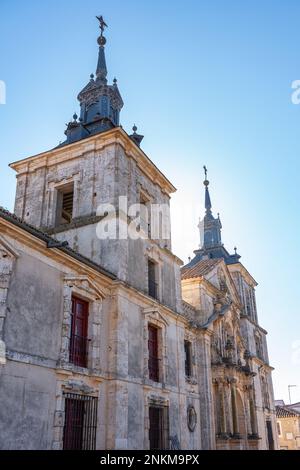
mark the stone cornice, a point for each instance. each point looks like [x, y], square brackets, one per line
[211, 289]
[260, 328]
[262, 364]
[93, 144]
[201, 280]
[245, 273]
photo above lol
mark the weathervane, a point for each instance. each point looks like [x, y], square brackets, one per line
[205, 182]
[103, 25]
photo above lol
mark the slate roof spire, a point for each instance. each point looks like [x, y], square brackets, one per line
[211, 246]
[207, 196]
[210, 227]
[100, 103]
[101, 72]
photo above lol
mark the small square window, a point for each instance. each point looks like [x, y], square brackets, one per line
[64, 206]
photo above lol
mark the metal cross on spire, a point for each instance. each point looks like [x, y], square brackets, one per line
[207, 196]
[205, 182]
[103, 25]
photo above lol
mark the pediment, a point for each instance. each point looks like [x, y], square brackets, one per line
[154, 253]
[220, 278]
[8, 255]
[6, 249]
[87, 285]
[155, 314]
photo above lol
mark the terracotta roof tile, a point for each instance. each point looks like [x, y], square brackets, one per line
[283, 412]
[199, 269]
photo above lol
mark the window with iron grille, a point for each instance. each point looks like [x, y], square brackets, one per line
[153, 361]
[80, 422]
[158, 427]
[188, 358]
[79, 327]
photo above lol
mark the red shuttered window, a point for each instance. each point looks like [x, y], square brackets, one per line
[79, 329]
[153, 353]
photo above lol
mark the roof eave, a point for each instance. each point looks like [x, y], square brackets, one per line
[124, 138]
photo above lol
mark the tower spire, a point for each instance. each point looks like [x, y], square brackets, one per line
[100, 103]
[210, 227]
[211, 245]
[101, 72]
[207, 196]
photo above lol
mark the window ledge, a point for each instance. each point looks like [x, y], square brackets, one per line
[75, 223]
[154, 384]
[191, 380]
[72, 368]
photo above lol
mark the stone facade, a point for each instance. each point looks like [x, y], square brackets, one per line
[229, 389]
[37, 367]
[212, 386]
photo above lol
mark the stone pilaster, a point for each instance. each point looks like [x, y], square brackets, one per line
[205, 390]
[7, 259]
[95, 331]
[253, 417]
[222, 409]
[235, 424]
[117, 415]
[66, 325]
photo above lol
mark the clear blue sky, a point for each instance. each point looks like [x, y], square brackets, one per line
[207, 82]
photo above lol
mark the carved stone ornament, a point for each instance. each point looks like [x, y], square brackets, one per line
[191, 418]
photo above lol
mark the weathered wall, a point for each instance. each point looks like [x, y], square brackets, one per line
[100, 177]
[290, 431]
[34, 309]
[27, 406]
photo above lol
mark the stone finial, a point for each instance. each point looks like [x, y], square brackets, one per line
[137, 138]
